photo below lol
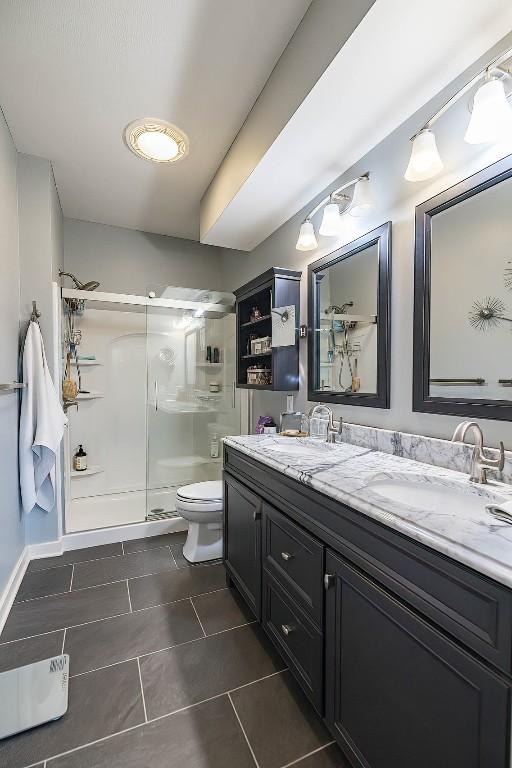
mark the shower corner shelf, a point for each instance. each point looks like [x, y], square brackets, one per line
[86, 363]
[94, 470]
[89, 395]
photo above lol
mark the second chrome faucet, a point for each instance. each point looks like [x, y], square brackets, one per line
[480, 463]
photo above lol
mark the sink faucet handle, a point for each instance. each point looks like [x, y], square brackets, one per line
[498, 463]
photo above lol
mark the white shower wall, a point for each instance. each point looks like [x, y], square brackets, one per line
[147, 427]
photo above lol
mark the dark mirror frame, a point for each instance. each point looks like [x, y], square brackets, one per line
[382, 237]
[422, 401]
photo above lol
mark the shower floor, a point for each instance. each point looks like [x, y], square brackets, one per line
[113, 509]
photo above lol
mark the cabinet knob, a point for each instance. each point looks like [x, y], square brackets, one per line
[287, 629]
[286, 556]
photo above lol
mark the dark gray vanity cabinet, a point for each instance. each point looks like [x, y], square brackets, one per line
[242, 541]
[406, 653]
[399, 693]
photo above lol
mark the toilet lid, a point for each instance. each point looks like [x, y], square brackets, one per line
[208, 491]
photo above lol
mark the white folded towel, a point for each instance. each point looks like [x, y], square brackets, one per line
[42, 423]
[501, 511]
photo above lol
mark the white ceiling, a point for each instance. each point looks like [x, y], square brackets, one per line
[74, 73]
[399, 57]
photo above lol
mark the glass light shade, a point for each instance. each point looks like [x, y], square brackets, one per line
[157, 145]
[362, 198]
[307, 239]
[425, 161]
[491, 119]
[331, 220]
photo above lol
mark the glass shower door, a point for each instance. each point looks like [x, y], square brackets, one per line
[191, 399]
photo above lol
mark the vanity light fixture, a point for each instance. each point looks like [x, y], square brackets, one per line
[491, 118]
[334, 206]
[156, 140]
[307, 239]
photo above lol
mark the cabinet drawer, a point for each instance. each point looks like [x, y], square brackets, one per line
[295, 559]
[298, 640]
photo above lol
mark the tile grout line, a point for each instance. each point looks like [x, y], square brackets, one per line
[129, 596]
[142, 691]
[122, 548]
[106, 618]
[166, 648]
[72, 574]
[155, 719]
[308, 754]
[96, 559]
[117, 581]
[243, 731]
[197, 615]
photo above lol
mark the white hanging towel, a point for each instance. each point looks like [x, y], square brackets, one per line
[42, 423]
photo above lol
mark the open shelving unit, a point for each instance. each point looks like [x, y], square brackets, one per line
[277, 287]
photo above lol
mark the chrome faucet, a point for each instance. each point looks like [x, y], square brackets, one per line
[479, 462]
[333, 428]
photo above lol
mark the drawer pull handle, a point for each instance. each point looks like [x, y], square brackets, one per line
[287, 629]
[286, 556]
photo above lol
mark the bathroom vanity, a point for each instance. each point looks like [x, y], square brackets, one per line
[395, 621]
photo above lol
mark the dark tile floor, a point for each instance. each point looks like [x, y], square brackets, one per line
[168, 668]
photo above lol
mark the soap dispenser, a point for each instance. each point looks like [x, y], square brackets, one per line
[80, 460]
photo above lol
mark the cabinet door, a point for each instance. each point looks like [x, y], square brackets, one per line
[398, 693]
[242, 540]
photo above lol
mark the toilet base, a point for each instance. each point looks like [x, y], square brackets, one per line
[204, 542]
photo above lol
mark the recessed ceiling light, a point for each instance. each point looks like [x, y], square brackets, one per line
[156, 140]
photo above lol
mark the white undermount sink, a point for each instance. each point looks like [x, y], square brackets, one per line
[434, 497]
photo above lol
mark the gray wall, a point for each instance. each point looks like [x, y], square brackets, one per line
[41, 255]
[11, 524]
[129, 261]
[395, 200]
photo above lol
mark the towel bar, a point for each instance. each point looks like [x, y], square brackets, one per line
[12, 387]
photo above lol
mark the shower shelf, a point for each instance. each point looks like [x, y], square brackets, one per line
[83, 363]
[87, 472]
[89, 395]
[209, 365]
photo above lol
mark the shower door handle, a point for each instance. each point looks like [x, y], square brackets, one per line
[233, 395]
[156, 395]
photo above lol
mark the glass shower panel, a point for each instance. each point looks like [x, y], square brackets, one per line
[191, 399]
[104, 346]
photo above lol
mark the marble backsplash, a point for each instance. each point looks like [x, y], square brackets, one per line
[429, 450]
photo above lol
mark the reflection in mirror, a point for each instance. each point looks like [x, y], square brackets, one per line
[348, 301]
[471, 298]
[463, 298]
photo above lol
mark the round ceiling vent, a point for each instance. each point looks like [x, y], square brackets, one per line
[156, 140]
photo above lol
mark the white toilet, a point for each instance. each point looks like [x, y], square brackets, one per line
[201, 505]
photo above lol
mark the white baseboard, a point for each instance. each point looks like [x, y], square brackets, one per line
[9, 593]
[82, 539]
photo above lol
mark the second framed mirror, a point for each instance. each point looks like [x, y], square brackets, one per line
[349, 322]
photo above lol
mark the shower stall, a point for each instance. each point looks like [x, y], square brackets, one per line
[154, 379]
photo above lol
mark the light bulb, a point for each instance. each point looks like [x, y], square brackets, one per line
[362, 198]
[307, 240]
[425, 161]
[491, 119]
[157, 145]
[331, 221]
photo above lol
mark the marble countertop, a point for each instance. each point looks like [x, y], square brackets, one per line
[352, 474]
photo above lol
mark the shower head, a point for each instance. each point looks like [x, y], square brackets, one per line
[90, 286]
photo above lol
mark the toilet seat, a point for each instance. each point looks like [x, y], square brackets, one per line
[207, 492]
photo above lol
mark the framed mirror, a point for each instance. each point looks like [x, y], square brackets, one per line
[349, 318]
[463, 298]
